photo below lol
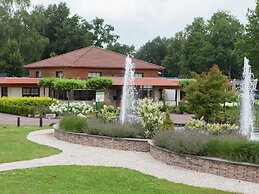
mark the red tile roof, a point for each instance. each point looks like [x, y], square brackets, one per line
[19, 81]
[91, 57]
[147, 81]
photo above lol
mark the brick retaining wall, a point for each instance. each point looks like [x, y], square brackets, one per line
[130, 144]
[235, 170]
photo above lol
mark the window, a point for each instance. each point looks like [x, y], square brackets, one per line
[30, 92]
[145, 92]
[38, 74]
[4, 91]
[59, 74]
[139, 75]
[88, 95]
[94, 74]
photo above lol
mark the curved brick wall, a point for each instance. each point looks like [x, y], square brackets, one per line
[235, 170]
[130, 144]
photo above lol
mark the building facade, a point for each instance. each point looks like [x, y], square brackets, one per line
[86, 63]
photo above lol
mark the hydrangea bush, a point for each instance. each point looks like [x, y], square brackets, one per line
[215, 128]
[74, 108]
[109, 113]
[151, 116]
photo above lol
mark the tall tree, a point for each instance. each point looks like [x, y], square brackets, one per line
[224, 32]
[122, 48]
[251, 41]
[197, 47]
[153, 51]
[102, 34]
[174, 61]
[65, 33]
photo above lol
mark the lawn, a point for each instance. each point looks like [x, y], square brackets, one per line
[15, 147]
[90, 180]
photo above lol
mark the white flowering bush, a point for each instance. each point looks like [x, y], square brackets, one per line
[109, 113]
[75, 108]
[151, 116]
[215, 128]
[195, 124]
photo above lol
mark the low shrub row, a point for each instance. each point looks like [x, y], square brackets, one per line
[99, 127]
[230, 147]
[26, 105]
[28, 101]
[22, 110]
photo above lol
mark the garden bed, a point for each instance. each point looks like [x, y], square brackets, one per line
[129, 144]
[225, 168]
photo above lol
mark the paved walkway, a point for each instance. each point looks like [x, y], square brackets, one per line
[143, 162]
[9, 119]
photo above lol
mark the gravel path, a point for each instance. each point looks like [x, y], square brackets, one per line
[143, 162]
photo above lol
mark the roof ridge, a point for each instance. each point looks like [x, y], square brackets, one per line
[87, 50]
[126, 56]
[64, 54]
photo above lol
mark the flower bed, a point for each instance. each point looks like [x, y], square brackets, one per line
[129, 144]
[235, 170]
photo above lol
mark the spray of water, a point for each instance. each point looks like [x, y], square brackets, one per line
[247, 101]
[129, 100]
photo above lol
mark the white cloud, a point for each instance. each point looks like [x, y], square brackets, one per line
[137, 21]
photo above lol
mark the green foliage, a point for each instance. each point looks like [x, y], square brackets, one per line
[73, 123]
[174, 61]
[109, 113]
[16, 147]
[98, 83]
[86, 179]
[184, 142]
[153, 51]
[151, 116]
[185, 82]
[68, 84]
[47, 82]
[199, 125]
[122, 48]
[207, 95]
[239, 150]
[114, 129]
[167, 123]
[230, 147]
[28, 101]
[102, 34]
[250, 43]
[26, 105]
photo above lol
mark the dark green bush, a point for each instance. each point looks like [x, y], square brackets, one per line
[231, 147]
[22, 110]
[184, 142]
[73, 123]
[235, 149]
[114, 129]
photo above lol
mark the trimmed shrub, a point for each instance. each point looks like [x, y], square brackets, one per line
[232, 147]
[98, 83]
[184, 142]
[26, 105]
[235, 149]
[73, 123]
[114, 129]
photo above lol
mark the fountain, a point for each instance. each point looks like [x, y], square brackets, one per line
[129, 101]
[247, 102]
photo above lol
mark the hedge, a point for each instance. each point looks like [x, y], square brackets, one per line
[26, 105]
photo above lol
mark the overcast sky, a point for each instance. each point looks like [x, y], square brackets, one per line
[138, 21]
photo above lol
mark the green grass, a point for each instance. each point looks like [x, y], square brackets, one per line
[90, 180]
[15, 147]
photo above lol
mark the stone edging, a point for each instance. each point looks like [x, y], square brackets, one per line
[129, 144]
[229, 169]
